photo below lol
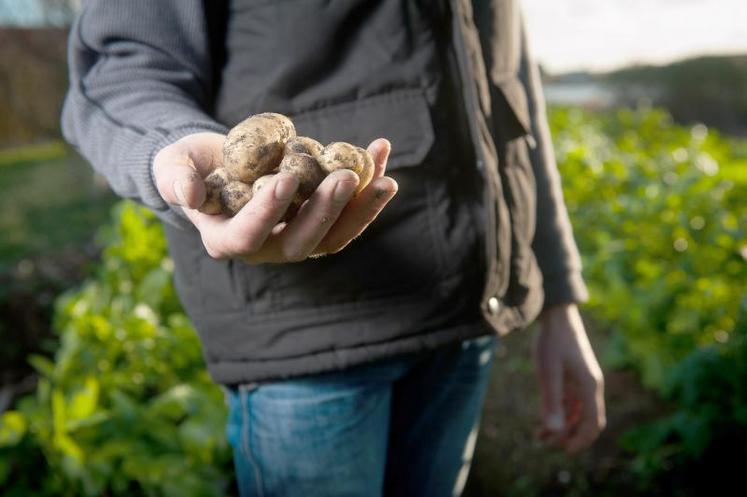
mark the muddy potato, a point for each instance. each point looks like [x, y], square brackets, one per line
[214, 183]
[293, 207]
[306, 169]
[341, 155]
[254, 147]
[366, 174]
[234, 196]
[261, 182]
[303, 145]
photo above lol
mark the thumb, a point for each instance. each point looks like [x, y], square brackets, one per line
[553, 413]
[176, 178]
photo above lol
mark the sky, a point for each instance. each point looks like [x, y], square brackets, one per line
[605, 34]
[595, 34]
[26, 12]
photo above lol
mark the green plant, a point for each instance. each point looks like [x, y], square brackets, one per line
[126, 408]
[701, 445]
[661, 222]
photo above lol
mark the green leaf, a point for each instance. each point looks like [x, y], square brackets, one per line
[12, 428]
[42, 365]
[84, 401]
[58, 413]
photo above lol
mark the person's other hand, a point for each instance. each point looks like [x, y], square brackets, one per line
[571, 381]
[326, 223]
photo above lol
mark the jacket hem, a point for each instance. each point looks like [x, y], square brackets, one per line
[245, 371]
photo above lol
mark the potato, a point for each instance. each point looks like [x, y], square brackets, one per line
[303, 145]
[214, 183]
[234, 196]
[366, 174]
[265, 144]
[254, 147]
[262, 181]
[306, 169]
[310, 175]
[341, 155]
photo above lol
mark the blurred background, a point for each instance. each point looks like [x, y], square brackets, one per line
[102, 386]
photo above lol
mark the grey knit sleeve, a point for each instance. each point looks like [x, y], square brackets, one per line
[554, 244]
[140, 79]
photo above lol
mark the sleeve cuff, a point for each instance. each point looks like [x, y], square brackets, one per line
[565, 289]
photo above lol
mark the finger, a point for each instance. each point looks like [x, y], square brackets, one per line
[177, 180]
[358, 214]
[205, 222]
[573, 412]
[251, 226]
[549, 438]
[380, 149]
[302, 235]
[247, 231]
[208, 225]
[582, 437]
[551, 383]
[591, 423]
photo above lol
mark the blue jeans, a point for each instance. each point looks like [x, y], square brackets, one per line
[400, 427]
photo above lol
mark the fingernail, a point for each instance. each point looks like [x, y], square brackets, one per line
[385, 192]
[387, 146]
[285, 188]
[344, 190]
[179, 193]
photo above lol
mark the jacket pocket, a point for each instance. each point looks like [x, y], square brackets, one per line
[399, 253]
[401, 116]
[511, 110]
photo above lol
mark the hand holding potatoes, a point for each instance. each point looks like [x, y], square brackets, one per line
[191, 173]
[265, 144]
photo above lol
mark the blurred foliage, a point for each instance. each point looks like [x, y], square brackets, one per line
[33, 81]
[661, 220]
[33, 153]
[51, 207]
[706, 89]
[50, 200]
[126, 407]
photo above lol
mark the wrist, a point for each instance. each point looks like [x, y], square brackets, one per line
[561, 319]
[556, 311]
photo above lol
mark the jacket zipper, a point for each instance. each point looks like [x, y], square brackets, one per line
[470, 101]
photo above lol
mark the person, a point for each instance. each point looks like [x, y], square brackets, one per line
[354, 341]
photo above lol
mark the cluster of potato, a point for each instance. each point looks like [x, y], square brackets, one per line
[266, 144]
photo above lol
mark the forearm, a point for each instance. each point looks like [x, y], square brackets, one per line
[139, 80]
[554, 244]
